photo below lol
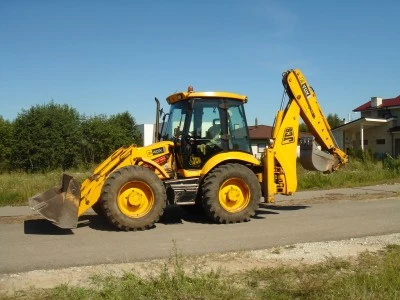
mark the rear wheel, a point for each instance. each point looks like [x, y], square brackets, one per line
[231, 194]
[133, 198]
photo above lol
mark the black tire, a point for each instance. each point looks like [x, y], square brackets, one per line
[231, 194]
[98, 209]
[133, 198]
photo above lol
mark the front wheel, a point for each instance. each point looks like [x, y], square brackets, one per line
[133, 198]
[231, 194]
[98, 209]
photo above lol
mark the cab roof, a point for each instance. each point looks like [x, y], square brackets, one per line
[182, 96]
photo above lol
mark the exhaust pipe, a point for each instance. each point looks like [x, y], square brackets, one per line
[59, 204]
[157, 129]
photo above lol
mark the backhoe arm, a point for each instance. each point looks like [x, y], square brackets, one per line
[281, 157]
[297, 88]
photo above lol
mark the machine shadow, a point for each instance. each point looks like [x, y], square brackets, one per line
[44, 227]
[96, 222]
[270, 209]
[283, 207]
[175, 214]
[193, 214]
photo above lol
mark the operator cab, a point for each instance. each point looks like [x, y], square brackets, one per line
[202, 124]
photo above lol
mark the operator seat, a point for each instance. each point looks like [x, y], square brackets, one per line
[214, 131]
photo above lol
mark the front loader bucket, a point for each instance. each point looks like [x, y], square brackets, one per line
[313, 159]
[59, 204]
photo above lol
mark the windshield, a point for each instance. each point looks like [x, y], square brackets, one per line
[176, 121]
[237, 127]
[221, 120]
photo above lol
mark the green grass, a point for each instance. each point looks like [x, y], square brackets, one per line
[16, 188]
[370, 276]
[355, 173]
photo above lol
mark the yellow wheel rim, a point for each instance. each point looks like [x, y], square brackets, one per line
[234, 195]
[135, 199]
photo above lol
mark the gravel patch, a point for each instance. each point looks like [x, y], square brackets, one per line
[311, 253]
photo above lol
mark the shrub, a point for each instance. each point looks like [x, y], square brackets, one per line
[392, 164]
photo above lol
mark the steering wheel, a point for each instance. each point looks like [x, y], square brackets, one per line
[189, 138]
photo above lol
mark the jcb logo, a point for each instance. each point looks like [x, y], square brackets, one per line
[194, 161]
[306, 90]
[288, 136]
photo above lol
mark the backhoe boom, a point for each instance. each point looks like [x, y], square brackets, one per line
[281, 157]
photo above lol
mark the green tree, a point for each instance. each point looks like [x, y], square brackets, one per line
[96, 139]
[5, 144]
[103, 135]
[127, 124]
[47, 137]
[303, 127]
[334, 120]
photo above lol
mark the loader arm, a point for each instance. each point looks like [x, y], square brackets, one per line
[125, 156]
[280, 158]
[65, 203]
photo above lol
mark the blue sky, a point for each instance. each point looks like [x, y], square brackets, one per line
[107, 57]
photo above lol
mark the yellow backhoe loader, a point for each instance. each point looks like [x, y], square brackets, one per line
[201, 156]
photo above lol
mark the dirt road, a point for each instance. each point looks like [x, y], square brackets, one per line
[29, 243]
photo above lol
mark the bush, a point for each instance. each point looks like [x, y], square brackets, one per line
[47, 137]
[56, 137]
[365, 155]
[103, 135]
[391, 164]
[5, 144]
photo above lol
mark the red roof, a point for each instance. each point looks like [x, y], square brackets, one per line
[264, 132]
[385, 103]
[260, 132]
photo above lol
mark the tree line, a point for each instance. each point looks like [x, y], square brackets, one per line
[333, 121]
[53, 136]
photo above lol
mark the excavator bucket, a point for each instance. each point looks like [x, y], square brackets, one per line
[59, 204]
[313, 159]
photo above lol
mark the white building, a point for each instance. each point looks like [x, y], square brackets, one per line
[147, 131]
[377, 130]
